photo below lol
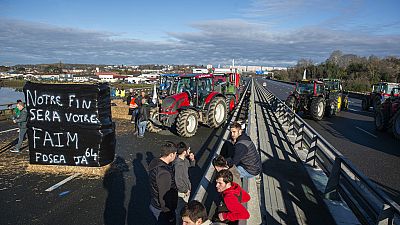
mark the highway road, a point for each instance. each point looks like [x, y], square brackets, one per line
[352, 132]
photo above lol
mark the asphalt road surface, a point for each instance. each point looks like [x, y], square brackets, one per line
[352, 132]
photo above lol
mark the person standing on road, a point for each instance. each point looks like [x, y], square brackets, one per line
[133, 110]
[182, 163]
[230, 210]
[21, 120]
[245, 155]
[164, 195]
[143, 117]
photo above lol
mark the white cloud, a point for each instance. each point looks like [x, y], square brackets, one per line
[216, 42]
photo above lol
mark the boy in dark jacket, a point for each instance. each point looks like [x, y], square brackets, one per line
[182, 163]
[245, 156]
[230, 210]
[164, 195]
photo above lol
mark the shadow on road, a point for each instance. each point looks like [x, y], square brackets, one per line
[114, 183]
[140, 195]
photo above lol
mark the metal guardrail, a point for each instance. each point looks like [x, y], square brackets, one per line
[201, 190]
[365, 199]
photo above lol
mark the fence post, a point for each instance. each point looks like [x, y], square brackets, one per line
[333, 180]
[312, 149]
[385, 215]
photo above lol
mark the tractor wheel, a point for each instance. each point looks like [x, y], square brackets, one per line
[230, 103]
[186, 123]
[376, 102]
[364, 104]
[317, 108]
[396, 126]
[330, 109]
[379, 120]
[291, 102]
[153, 116]
[217, 112]
[345, 103]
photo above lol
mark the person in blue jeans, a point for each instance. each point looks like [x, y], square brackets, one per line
[21, 120]
[143, 116]
[245, 155]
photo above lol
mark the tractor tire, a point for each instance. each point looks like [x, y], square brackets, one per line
[345, 103]
[379, 120]
[217, 112]
[291, 102]
[396, 126]
[186, 123]
[317, 108]
[376, 102]
[364, 104]
[150, 126]
[330, 109]
[230, 103]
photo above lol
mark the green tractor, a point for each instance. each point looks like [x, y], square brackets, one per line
[335, 95]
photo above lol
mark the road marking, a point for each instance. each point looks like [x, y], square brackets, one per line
[367, 132]
[355, 110]
[62, 182]
[5, 131]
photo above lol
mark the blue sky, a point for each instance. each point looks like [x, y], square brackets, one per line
[253, 32]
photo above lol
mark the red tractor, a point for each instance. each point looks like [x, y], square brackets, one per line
[380, 92]
[311, 98]
[199, 99]
[387, 114]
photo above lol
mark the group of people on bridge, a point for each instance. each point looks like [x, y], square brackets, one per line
[170, 185]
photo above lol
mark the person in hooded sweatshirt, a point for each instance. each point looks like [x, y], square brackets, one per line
[163, 192]
[183, 161]
[245, 155]
[230, 210]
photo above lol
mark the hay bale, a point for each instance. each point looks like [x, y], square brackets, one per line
[84, 171]
[119, 110]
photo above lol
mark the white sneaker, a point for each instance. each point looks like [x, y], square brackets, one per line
[15, 150]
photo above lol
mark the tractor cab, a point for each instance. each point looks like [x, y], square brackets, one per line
[380, 92]
[197, 86]
[332, 84]
[227, 82]
[309, 87]
[167, 83]
[385, 88]
[395, 92]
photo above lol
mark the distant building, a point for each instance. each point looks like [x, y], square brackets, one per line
[66, 77]
[200, 70]
[80, 79]
[52, 77]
